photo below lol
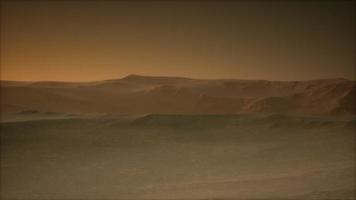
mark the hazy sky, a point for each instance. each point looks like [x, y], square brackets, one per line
[94, 40]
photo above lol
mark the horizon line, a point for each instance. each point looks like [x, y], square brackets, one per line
[168, 76]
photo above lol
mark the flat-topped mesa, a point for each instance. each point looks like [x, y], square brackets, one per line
[131, 76]
[136, 76]
[160, 80]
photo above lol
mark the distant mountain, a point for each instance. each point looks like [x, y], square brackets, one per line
[136, 94]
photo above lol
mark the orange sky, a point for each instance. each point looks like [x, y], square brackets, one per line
[93, 40]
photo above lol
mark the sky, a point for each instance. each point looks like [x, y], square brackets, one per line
[97, 40]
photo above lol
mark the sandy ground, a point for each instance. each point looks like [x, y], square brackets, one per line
[178, 157]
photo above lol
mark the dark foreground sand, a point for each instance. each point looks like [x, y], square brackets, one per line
[179, 157]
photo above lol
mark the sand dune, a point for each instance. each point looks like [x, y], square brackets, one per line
[136, 94]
